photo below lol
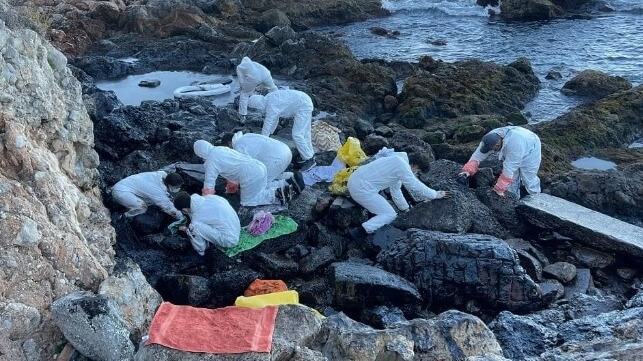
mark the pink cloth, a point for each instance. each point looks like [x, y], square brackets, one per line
[222, 330]
[261, 223]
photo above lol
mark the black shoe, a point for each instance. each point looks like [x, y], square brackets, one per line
[306, 164]
[297, 183]
[357, 233]
[284, 194]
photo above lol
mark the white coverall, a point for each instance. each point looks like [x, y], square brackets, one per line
[520, 155]
[213, 220]
[251, 74]
[275, 155]
[289, 103]
[389, 172]
[237, 167]
[138, 191]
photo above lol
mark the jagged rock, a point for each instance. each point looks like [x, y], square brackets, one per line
[19, 320]
[93, 325]
[615, 335]
[581, 283]
[270, 19]
[324, 237]
[135, 299]
[562, 271]
[227, 286]
[636, 301]
[55, 232]
[522, 337]
[342, 338]
[382, 316]
[280, 34]
[581, 305]
[275, 265]
[595, 84]
[553, 75]
[592, 258]
[451, 335]
[184, 289]
[626, 273]
[484, 85]
[616, 193]
[357, 285]
[316, 260]
[450, 269]
[551, 290]
[316, 292]
[610, 122]
[529, 10]
[149, 83]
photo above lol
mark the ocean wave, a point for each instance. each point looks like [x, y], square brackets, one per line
[444, 7]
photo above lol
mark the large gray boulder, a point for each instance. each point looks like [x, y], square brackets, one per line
[94, 326]
[357, 285]
[452, 269]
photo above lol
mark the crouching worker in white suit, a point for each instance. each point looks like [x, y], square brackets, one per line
[275, 155]
[390, 172]
[250, 75]
[519, 150]
[250, 174]
[212, 220]
[138, 191]
[288, 103]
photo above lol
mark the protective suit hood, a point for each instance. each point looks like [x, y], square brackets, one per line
[236, 137]
[202, 148]
[257, 102]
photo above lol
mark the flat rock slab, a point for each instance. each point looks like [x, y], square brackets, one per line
[582, 224]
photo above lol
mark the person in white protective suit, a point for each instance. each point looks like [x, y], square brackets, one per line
[139, 191]
[212, 220]
[388, 172]
[250, 75]
[248, 173]
[275, 155]
[289, 103]
[519, 150]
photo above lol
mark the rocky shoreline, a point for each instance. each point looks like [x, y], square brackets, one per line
[473, 278]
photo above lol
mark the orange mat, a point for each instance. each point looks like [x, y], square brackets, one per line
[222, 330]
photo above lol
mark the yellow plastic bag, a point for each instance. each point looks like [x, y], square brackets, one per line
[270, 299]
[339, 186]
[351, 152]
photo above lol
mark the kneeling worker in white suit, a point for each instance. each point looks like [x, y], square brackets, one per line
[212, 220]
[138, 191]
[289, 103]
[248, 173]
[390, 172]
[250, 75]
[275, 155]
[519, 150]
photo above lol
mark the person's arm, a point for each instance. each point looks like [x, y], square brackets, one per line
[471, 167]
[513, 158]
[211, 174]
[398, 197]
[270, 122]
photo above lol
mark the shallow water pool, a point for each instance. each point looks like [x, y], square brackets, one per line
[593, 163]
[129, 93]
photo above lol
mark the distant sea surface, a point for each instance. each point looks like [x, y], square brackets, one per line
[611, 42]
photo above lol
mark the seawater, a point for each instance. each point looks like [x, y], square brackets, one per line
[611, 42]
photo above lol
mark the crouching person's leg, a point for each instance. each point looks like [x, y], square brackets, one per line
[376, 204]
[134, 204]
